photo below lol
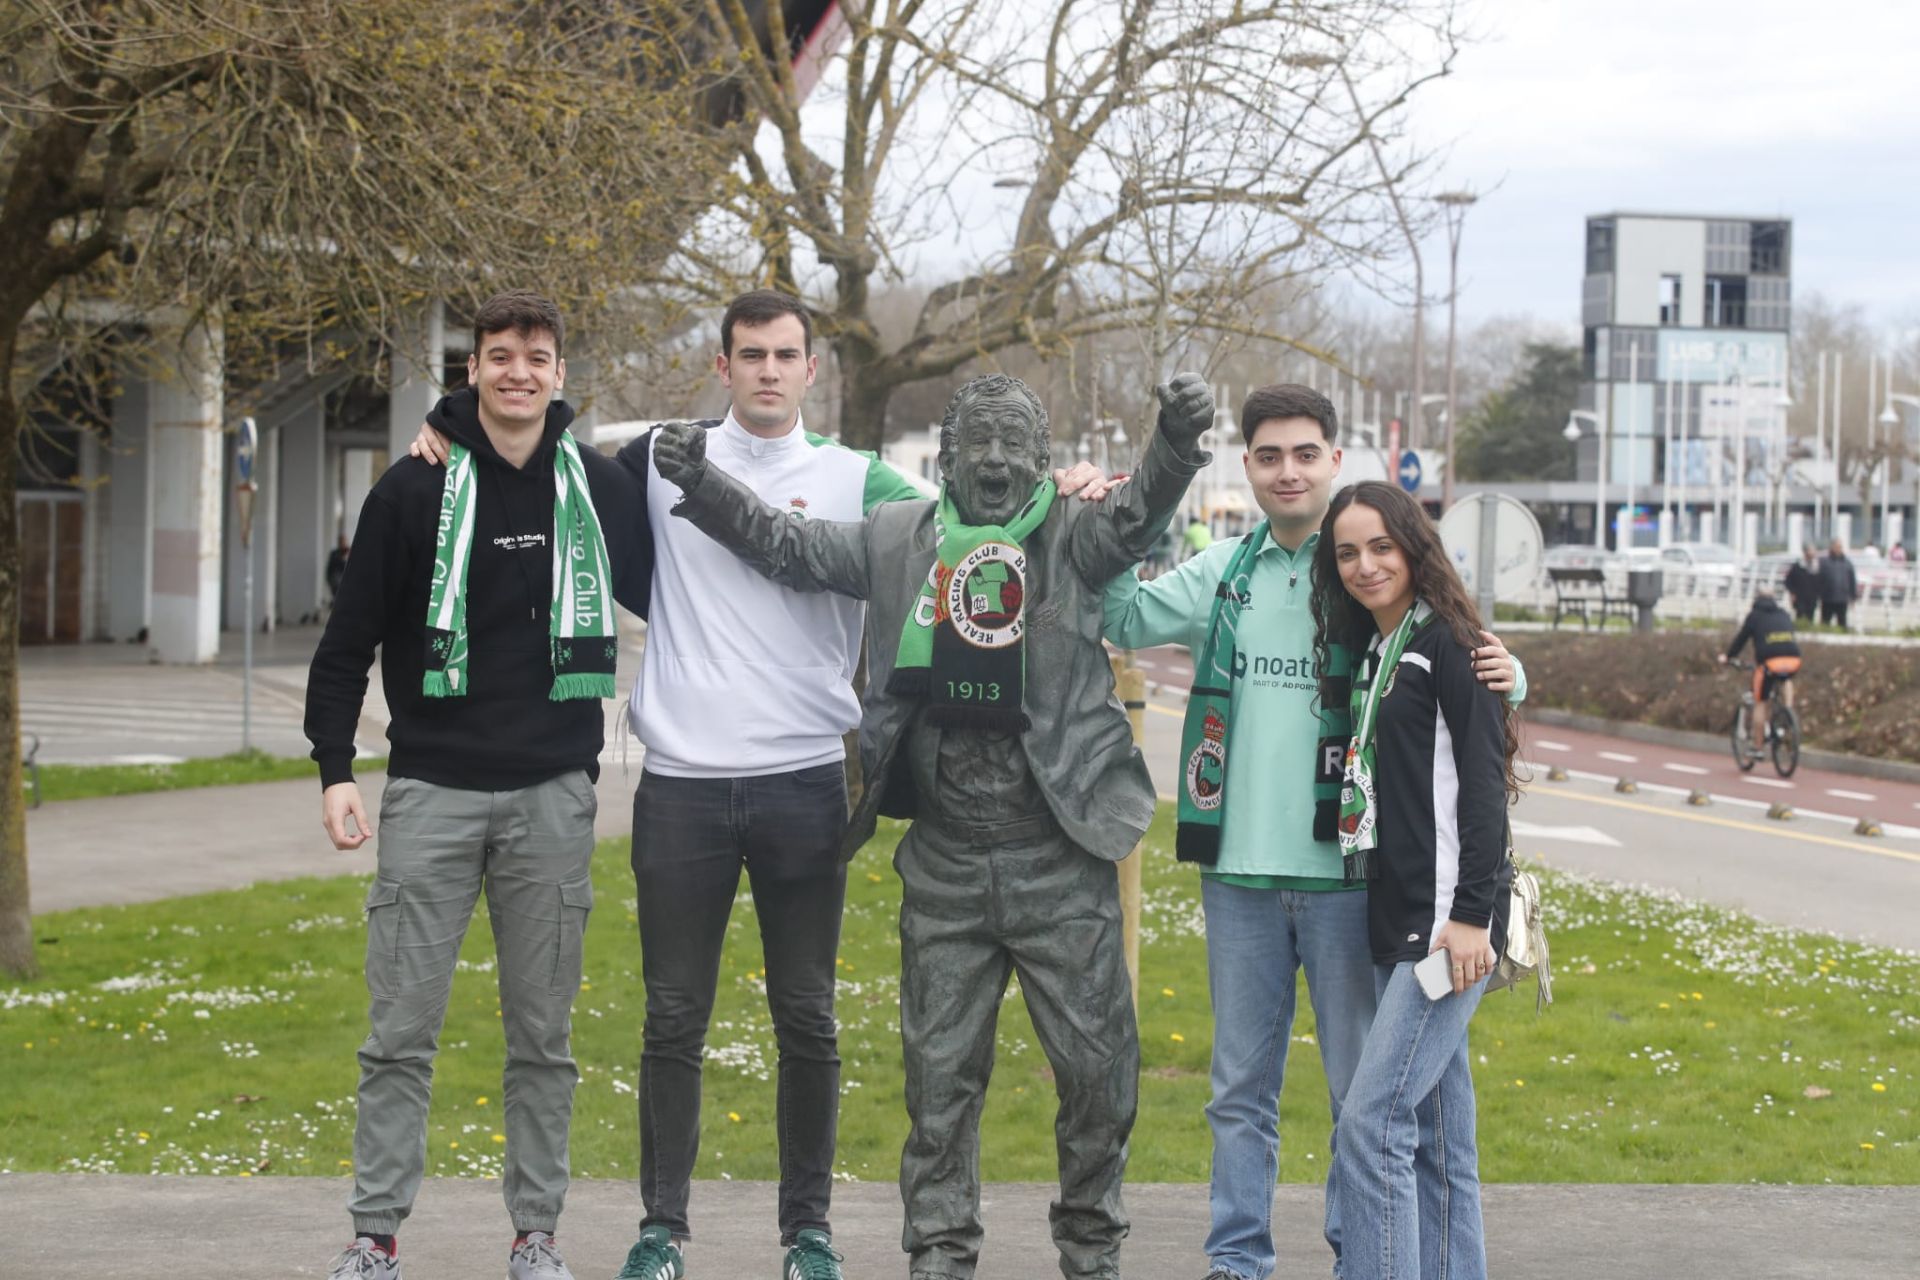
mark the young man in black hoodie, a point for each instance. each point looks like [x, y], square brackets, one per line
[488, 587]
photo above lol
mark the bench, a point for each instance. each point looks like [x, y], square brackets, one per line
[1584, 591]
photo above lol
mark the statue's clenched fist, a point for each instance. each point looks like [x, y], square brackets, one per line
[1186, 410]
[680, 453]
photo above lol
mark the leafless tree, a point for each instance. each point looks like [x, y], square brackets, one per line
[1169, 163]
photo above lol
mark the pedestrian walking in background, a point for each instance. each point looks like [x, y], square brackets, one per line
[1839, 585]
[1803, 583]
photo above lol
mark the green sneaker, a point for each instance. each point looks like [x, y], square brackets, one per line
[656, 1257]
[812, 1258]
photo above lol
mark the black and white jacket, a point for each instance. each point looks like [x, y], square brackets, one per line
[1440, 779]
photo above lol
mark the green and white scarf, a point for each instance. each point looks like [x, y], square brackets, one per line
[963, 647]
[1359, 794]
[1203, 735]
[581, 620]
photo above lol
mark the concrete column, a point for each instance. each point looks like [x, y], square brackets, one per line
[266, 471]
[186, 417]
[129, 499]
[305, 533]
[419, 350]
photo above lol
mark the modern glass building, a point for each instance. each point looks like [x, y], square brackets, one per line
[1683, 409]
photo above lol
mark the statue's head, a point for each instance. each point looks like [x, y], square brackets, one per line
[993, 448]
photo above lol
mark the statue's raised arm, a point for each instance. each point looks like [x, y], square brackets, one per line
[1121, 533]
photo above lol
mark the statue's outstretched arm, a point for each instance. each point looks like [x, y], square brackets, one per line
[806, 555]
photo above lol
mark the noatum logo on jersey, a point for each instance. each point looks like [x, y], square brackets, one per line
[984, 594]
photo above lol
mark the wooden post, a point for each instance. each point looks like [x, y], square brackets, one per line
[1130, 682]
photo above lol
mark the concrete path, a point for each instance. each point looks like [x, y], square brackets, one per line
[78, 1227]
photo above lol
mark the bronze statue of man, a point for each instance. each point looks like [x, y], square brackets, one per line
[990, 721]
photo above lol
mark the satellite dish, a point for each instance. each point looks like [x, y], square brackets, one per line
[1495, 544]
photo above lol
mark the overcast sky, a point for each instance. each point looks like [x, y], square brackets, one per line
[1742, 107]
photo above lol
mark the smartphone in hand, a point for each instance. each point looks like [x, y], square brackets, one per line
[1436, 974]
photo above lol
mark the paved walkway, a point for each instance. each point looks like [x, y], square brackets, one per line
[96, 703]
[128, 1228]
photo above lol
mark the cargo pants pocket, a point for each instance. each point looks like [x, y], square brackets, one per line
[576, 904]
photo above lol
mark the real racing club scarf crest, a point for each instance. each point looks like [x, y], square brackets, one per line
[963, 646]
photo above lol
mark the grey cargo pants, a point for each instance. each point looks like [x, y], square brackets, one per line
[532, 850]
[977, 905]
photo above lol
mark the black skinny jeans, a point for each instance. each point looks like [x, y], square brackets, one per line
[691, 836]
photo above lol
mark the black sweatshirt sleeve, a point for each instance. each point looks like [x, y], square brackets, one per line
[370, 595]
[1741, 637]
[1475, 720]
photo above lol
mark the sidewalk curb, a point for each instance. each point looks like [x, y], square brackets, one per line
[1660, 736]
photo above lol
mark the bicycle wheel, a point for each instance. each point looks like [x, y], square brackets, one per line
[1741, 735]
[1784, 728]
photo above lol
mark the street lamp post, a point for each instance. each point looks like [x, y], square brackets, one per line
[1912, 402]
[1454, 205]
[1572, 433]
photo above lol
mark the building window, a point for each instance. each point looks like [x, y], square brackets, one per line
[1726, 302]
[1769, 248]
[1632, 355]
[1670, 300]
[1769, 302]
[1599, 246]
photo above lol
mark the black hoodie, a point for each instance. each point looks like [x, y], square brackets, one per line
[504, 733]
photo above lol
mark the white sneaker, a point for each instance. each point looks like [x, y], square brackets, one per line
[537, 1257]
[364, 1260]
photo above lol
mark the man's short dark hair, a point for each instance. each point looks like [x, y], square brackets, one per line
[763, 306]
[522, 311]
[1288, 400]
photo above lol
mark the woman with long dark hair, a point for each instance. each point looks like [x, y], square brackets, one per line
[1427, 780]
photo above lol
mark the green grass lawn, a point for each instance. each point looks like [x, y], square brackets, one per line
[88, 781]
[216, 1034]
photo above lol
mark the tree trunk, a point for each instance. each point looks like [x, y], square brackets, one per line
[16, 923]
[867, 387]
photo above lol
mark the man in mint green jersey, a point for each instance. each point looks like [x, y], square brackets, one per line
[1259, 796]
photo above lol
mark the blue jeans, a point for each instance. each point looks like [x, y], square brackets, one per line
[1407, 1158]
[1257, 942]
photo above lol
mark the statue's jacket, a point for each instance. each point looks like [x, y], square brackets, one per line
[1080, 748]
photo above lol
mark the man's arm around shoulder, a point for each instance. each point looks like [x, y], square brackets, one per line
[1140, 615]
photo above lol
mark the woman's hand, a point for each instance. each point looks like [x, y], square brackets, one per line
[1472, 950]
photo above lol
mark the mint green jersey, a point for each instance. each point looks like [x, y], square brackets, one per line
[1267, 828]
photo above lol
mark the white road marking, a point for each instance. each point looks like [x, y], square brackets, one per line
[1572, 835]
[1621, 756]
[1850, 795]
[1144, 665]
[1686, 768]
[1769, 782]
[1553, 746]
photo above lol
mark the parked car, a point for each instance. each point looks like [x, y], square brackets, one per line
[1879, 579]
[1708, 559]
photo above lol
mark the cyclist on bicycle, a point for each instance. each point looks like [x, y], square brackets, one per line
[1776, 656]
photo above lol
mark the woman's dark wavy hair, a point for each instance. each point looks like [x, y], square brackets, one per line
[1340, 619]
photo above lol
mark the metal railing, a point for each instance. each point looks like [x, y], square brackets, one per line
[1889, 601]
